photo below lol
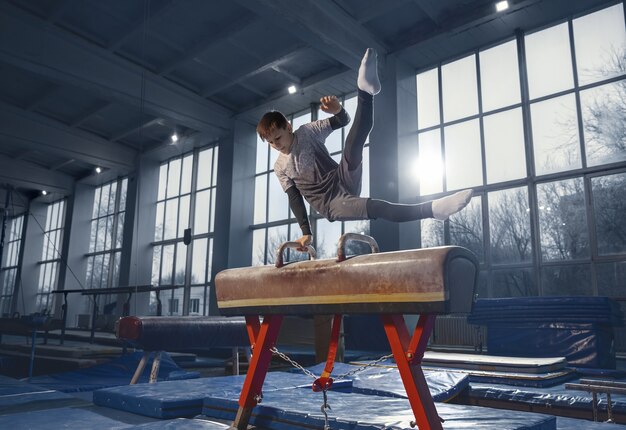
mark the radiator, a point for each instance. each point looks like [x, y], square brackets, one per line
[454, 330]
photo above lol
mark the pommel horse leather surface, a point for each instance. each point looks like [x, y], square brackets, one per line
[432, 280]
[170, 333]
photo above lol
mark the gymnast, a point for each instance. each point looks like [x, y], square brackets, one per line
[305, 168]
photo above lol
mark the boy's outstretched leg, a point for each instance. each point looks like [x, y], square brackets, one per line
[446, 206]
[440, 209]
[368, 73]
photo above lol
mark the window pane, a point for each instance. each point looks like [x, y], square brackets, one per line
[430, 164]
[158, 227]
[167, 264]
[466, 228]
[599, 54]
[513, 283]
[460, 93]
[499, 76]
[181, 262]
[278, 203]
[276, 236]
[123, 192]
[463, 155]
[573, 280]
[185, 186]
[326, 238]
[609, 205]
[604, 123]
[205, 167]
[197, 301]
[549, 61]
[104, 200]
[432, 233]
[183, 219]
[156, 265]
[563, 220]
[173, 178]
[162, 181]
[96, 202]
[112, 198]
[611, 278]
[504, 146]
[212, 211]
[216, 153]
[258, 247]
[262, 155]
[555, 135]
[198, 264]
[509, 226]
[428, 99]
[260, 198]
[120, 230]
[171, 218]
[201, 219]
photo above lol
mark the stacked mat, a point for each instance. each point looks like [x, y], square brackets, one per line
[577, 328]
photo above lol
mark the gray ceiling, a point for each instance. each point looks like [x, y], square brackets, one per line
[87, 83]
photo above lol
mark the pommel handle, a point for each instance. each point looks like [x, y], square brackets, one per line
[341, 252]
[293, 245]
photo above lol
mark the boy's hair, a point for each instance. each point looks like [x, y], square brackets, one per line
[270, 121]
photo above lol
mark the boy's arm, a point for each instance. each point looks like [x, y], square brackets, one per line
[296, 204]
[339, 120]
[330, 104]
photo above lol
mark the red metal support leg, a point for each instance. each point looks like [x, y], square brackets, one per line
[264, 340]
[408, 353]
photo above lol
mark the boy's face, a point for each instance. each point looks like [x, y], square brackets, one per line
[280, 139]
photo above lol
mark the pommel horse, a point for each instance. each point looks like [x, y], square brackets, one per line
[423, 281]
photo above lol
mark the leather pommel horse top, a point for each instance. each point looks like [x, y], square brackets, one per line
[434, 280]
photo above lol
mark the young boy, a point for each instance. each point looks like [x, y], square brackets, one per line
[306, 169]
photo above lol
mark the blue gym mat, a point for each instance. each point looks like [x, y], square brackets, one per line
[386, 381]
[286, 410]
[557, 396]
[18, 396]
[173, 399]
[116, 372]
[78, 418]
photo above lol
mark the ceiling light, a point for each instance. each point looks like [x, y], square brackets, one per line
[502, 5]
[44, 192]
[98, 169]
[292, 89]
[174, 138]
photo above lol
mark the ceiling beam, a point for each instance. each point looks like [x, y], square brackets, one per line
[38, 178]
[36, 132]
[429, 10]
[209, 41]
[250, 72]
[376, 9]
[94, 110]
[142, 125]
[139, 25]
[43, 96]
[69, 60]
[320, 24]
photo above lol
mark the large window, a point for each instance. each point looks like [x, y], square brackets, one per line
[10, 264]
[186, 201]
[273, 221]
[107, 230]
[536, 126]
[50, 256]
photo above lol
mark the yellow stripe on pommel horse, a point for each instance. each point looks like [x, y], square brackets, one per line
[427, 282]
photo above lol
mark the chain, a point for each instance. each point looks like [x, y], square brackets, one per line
[365, 366]
[293, 363]
[344, 375]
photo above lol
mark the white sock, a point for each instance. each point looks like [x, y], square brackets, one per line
[446, 206]
[368, 73]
